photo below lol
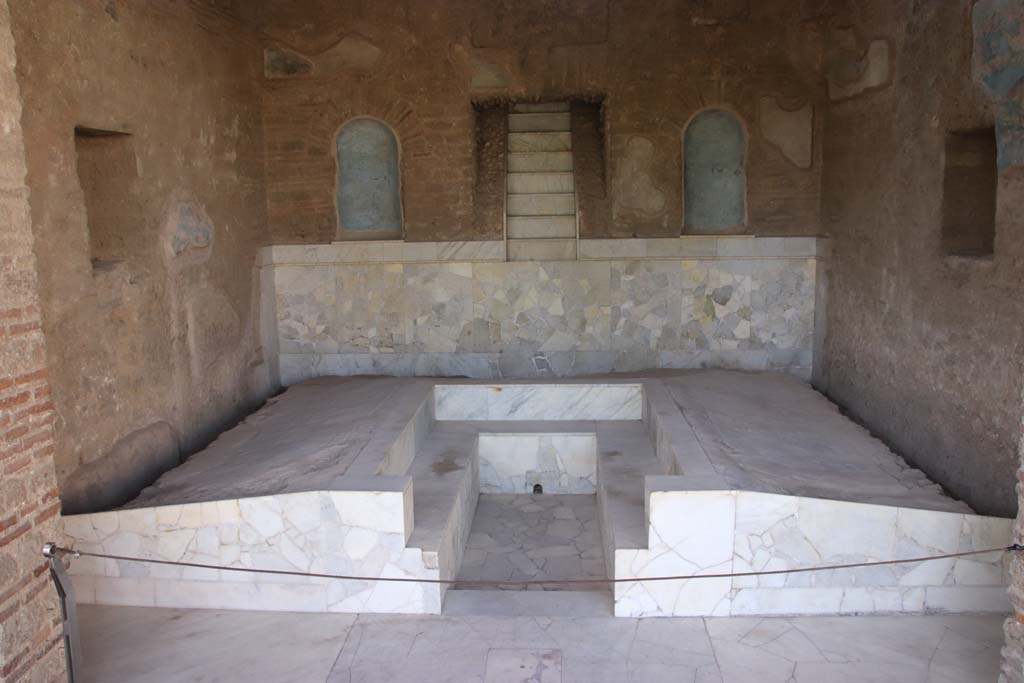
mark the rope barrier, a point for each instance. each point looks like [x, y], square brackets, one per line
[56, 550]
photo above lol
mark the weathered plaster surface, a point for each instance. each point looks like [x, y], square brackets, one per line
[791, 130]
[163, 341]
[926, 350]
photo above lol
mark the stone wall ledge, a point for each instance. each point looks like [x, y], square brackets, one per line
[686, 247]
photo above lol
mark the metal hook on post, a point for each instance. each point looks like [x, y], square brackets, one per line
[66, 593]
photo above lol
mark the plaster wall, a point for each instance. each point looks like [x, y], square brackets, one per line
[419, 67]
[927, 350]
[155, 350]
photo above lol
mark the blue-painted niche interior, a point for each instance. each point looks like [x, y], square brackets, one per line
[369, 187]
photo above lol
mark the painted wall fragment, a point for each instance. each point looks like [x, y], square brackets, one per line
[368, 198]
[791, 131]
[353, 53]
[279, 62]
[851, 72]
[188, 229]
[633, 187]
[998, 27]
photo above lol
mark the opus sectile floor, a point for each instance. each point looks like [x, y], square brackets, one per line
[535, 537]
[153, 645]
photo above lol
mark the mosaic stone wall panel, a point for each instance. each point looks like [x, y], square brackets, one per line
[543, 319]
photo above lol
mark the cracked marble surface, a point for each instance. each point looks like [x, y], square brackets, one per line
[148, 645]
[743, 306]
[535, 537]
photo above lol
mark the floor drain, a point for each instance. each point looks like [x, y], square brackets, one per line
[537, 488]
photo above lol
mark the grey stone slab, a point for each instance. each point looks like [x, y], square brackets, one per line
[527, 183]
[540, 142]
[540, 227]
[535, 122]
[543, 162]
[546, 204]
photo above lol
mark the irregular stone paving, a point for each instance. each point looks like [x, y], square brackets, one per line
[535, 537]
[152, 645]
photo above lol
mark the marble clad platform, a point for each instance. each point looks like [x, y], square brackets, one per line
[692, 472]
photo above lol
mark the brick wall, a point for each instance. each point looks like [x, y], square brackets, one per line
[420, 67]
[29, 615]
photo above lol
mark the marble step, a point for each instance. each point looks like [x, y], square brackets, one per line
[532, 107]
[542, 250]
[538, 122]
[546, 204]
[509, 603]
[533, 183]
[527, 162]
[539, 142]
[540, 227]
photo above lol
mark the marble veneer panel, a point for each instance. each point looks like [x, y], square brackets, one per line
[538, 402]
[560, 463]
[362, 531]
[710, 532]
[379, 308]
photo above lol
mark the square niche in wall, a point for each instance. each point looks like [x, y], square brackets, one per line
[970, 178]
[107, 173]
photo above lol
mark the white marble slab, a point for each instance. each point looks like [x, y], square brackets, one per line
[559, 463]
[383, 251]
[538, 402]
[686, 246]
[689, 533]
[355, 532]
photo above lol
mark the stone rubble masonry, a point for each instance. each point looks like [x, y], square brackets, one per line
[491, 132]
[30, 648]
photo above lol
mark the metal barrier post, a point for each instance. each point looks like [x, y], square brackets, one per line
[66, 593]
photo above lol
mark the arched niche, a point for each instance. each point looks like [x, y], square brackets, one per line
[714, 172]
[368, 194]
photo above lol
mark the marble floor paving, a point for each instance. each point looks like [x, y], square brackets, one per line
[535, 537]
[151, 645]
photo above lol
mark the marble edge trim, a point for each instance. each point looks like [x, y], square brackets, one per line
[671, 483]
[378, 252]
[383, 484]
[736, 247]
[667, 248]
